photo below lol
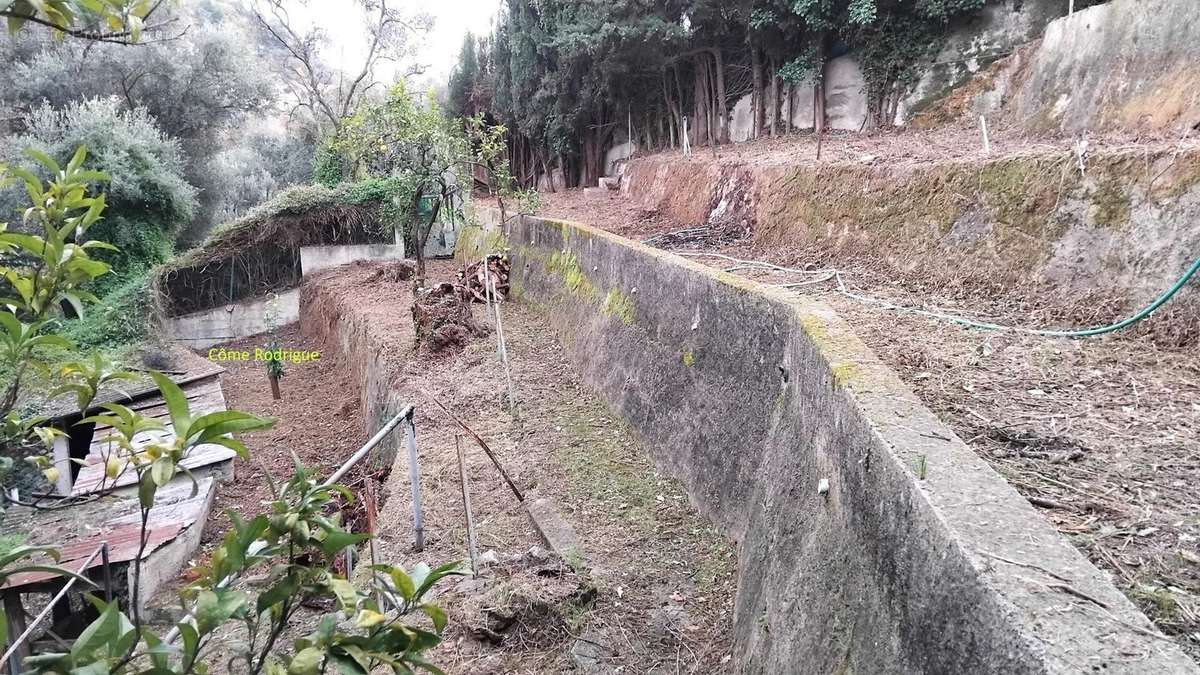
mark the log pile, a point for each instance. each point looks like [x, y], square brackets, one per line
[475, 278]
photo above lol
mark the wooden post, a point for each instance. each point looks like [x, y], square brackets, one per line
[987, 143]
[466, 495]
[489, 292]
[274, 386]
[414, 478]
[369, 503]
[15, 614]
[62, 462]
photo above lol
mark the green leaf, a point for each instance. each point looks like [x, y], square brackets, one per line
[345, 592]
[146, 489]
[281, 591]
[437, 615]
[307, 662]
[217, 424]
[177, 404]
[402, 582]
[43, 159]
[238, 447]
[337, 540]
[162, 471]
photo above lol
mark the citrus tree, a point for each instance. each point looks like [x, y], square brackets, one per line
[293, 545]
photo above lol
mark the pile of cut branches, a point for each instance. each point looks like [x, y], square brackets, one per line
[477, 276]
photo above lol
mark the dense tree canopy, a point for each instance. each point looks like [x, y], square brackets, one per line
[566, 76]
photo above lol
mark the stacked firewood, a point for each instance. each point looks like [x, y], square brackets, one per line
[478, 275]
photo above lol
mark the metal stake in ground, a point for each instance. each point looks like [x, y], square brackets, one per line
[488, 290]
[466, 495]
[414, 477]
[483, 445]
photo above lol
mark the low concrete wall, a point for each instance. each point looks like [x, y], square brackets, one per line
[231, 322]
[313, 259]
[870, 538]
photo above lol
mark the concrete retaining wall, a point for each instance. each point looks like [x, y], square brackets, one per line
[870, 538]
[238, 320]
[313, 259]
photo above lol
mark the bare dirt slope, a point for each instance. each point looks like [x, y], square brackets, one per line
[322, 429]
[1102, 434]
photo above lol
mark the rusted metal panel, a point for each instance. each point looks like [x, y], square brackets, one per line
[178, 505]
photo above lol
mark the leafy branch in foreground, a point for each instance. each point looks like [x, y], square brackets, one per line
[295, 544]
[119, 21]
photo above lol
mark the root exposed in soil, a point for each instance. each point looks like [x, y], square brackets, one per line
[443, 319]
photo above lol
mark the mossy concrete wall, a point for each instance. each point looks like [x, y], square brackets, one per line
[870, 538]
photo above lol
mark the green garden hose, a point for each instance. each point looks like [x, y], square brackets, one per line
[1090, 332]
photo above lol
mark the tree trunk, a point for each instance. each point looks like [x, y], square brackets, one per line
[699, 91]
[773, 103]
[722, 96]
[756, 75]
[791, 107]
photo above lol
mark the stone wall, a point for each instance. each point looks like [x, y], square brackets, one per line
[870, 538]
[1127, 64]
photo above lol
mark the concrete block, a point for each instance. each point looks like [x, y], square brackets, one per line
[231, 322]
[313, 259]
[556, 531]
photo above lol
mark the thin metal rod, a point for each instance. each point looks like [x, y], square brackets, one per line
[357, 457]
[414, 477]
[466, 495]
[364, 450]
[12, 649]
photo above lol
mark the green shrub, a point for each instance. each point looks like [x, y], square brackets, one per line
[122, 318]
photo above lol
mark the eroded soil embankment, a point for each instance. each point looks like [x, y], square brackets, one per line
[1094, 236]
[655, 589]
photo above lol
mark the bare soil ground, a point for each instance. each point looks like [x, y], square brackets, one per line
[912, 147]
[1102, 435]
[652, 591]
[320, 428]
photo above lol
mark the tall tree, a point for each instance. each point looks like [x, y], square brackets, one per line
[327, 94]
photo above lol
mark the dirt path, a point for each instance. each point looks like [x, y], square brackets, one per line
[1103, 435]
[652, 591]
[318, 418]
